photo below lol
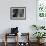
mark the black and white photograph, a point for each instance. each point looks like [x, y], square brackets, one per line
[17, 13]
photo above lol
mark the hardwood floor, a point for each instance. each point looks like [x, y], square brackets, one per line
[13, 44]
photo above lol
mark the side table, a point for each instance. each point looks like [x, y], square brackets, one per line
[8, 34]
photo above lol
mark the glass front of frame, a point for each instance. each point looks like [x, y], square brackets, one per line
[41, 12]
[17, 13]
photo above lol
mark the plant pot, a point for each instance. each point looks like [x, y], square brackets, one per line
[40, 40]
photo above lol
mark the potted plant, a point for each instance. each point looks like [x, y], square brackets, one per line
[39, 35]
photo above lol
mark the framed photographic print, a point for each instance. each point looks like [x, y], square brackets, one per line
[17, 13]
[41, 12]
[41, 8]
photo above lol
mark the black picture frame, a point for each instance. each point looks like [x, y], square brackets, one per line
[18, 13]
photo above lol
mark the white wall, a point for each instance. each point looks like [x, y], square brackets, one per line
[24, 25]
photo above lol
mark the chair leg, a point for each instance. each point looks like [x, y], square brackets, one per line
[5, 40]
[5, 43]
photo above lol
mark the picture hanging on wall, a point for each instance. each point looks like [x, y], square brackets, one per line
[41, 8]
[18, 13]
